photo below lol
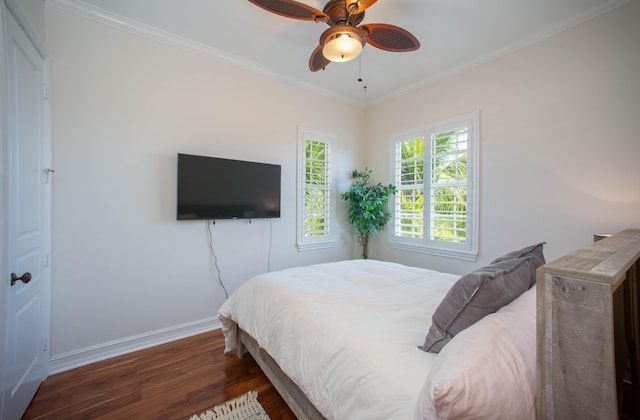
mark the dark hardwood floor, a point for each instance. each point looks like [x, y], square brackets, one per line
[170, 381]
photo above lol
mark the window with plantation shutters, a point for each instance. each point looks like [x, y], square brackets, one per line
[409, 180]
[436, 171]
[315, 193]
[448, 186]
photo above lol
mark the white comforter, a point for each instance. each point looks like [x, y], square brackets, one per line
[347, 332]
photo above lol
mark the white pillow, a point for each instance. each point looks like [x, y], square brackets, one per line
[488, 370]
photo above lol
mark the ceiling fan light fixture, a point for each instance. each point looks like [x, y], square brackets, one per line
[344, 44]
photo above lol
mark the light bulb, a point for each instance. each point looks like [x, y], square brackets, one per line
[342, 46]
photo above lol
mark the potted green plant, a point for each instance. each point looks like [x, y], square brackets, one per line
[367, 206]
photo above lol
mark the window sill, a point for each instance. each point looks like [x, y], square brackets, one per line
[315, 245]
[440, 252]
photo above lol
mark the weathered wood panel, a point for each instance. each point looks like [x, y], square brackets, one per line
[585, 322]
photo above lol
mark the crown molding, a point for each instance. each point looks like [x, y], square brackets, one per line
[568, 24]
[105, 17]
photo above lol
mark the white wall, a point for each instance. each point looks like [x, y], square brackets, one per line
[560, 139]
[123, 107]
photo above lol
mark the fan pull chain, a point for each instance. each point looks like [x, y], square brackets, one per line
[360, 72]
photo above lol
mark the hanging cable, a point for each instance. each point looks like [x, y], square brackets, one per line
[214, 258]
[270, 242]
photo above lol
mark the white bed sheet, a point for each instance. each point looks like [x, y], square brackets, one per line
[347, 333]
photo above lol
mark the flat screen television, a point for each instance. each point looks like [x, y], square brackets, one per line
[217, 188]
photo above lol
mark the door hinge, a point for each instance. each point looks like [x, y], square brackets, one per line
[47, 172]
[45, 92]
[45, 344]
[46, 260]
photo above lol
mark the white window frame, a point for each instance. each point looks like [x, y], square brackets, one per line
[305, 243]
[465, 251]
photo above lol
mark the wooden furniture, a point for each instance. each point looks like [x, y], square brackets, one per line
[588, 333]
[290, 392]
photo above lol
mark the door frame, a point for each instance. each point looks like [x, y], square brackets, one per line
[13, 7]
[4, 146]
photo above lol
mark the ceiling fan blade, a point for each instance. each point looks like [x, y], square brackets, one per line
[358, 6]
[292, 9]
[317, 61]
[390, 38]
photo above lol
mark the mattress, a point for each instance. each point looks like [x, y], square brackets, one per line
[347, 333]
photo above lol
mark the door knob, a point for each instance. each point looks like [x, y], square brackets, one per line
[25, 278]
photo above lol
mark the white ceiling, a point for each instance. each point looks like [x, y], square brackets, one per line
[454, 35]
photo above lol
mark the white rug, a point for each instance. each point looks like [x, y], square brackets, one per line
[245, 407]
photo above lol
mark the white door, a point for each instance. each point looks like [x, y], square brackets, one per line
[28, 195]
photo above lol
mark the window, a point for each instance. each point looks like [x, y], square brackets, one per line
[436, 172]
[315, 193]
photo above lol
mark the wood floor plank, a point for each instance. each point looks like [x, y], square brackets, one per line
[170, 381]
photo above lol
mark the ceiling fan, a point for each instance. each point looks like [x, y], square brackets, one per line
[344, 40]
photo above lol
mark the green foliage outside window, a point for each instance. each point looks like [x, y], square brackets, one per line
[412, 195]
[316, 189]
[447, 187]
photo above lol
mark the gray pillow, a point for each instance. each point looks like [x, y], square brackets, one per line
[537, 258]
[474, 296]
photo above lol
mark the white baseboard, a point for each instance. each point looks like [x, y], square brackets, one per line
[88, 355]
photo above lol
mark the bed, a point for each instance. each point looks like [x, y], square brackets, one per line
[367, 339]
